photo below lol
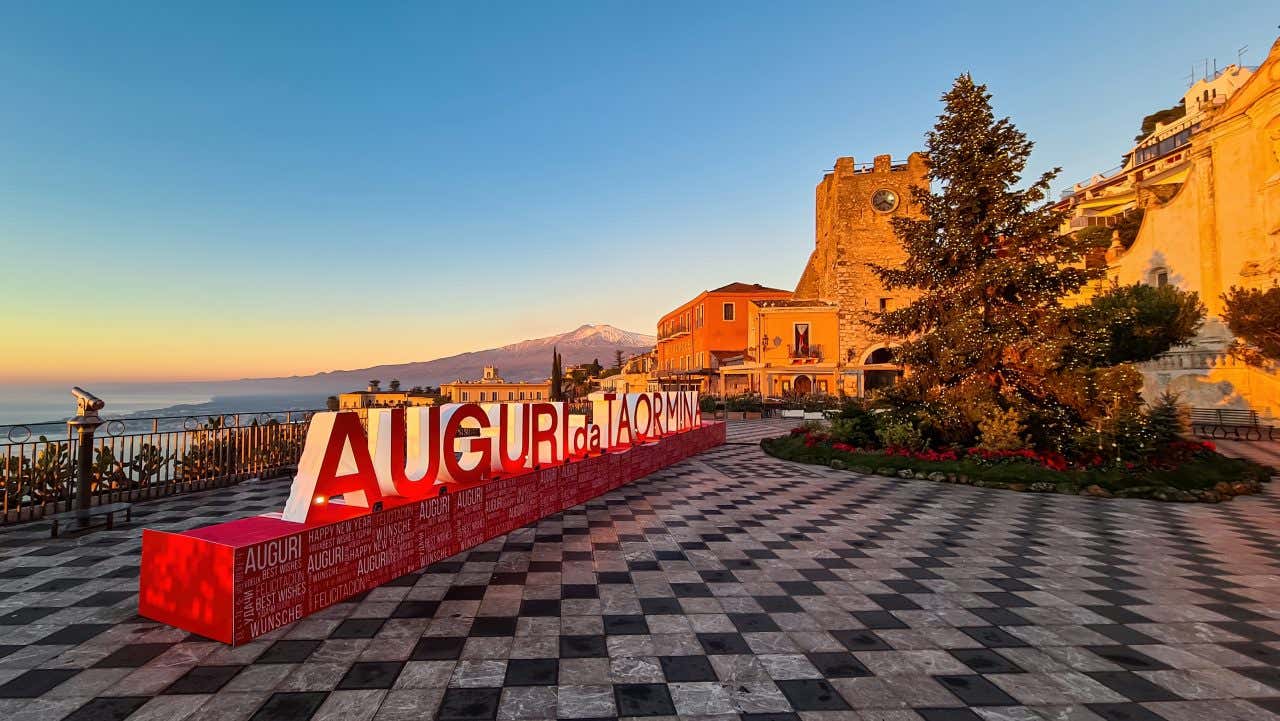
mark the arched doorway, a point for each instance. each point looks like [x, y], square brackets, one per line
[802, 385]
[879, 369]
[878, 356]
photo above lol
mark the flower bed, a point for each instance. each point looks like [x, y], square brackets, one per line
[1187, 471]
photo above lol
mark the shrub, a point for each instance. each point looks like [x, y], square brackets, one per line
[1001, 431]
[1134, 323]
[855, 426]
[900, 434]
[708, 404]
[1165, 422]
[1254, 316]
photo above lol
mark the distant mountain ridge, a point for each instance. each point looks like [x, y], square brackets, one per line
[524, 360]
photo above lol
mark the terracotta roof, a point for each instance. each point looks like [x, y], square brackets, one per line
[747, 288]
[794, 303]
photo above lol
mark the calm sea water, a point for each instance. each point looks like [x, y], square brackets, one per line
[38, 403]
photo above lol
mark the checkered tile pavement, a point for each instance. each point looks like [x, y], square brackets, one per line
[732, 585]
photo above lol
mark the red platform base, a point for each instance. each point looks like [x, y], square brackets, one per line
[238, 580]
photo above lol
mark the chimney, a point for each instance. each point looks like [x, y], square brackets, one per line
[373, 385]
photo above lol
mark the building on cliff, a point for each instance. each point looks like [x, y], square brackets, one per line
[1203, 193]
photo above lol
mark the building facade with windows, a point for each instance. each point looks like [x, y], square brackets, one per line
[708, 331]
[377, 397]
[1206, 191]
[792, 349]
[492, 388]
[750, 339]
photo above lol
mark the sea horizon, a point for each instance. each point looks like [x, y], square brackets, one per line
[50, 404]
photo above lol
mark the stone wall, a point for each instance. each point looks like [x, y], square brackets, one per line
[849, 235]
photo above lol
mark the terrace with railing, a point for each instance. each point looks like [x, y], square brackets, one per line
[138, 458]
[42, 465]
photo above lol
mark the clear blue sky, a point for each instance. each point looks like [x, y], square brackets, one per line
[262, 188]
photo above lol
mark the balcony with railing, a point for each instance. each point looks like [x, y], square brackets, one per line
[673, 329]
[810, 354]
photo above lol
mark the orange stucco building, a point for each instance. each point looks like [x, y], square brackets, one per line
[695, 339]
[793, 348]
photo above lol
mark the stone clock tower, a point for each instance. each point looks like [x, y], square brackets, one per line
[852, 229]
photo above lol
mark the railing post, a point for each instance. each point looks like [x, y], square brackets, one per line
[85, 423]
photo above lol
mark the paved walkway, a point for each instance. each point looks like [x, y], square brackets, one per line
[730, 585]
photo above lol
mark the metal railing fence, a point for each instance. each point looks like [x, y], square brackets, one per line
[141, 458]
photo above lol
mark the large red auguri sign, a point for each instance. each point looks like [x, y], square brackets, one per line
[368, 506]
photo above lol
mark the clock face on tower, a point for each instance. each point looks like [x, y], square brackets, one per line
[884, 200]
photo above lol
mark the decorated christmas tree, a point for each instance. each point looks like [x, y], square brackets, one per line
[989, 270]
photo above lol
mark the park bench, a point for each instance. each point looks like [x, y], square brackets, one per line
[82, 516]
[1230, 423]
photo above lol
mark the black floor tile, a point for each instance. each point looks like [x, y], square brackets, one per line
[133, 655]
[580, 590]
[108, 708]
[358, 628]
[643, 699]
[947, 714]
[779, 604]
[36, 682]
[753, 622]
[893, 601]
[625, 625]
[879, 619]
[438, 648]
[493, 626]
[838, 665]
[1133, 687]
[416, 609]
[1123, 634]
[203, 679]
[532, 672]
[468, 704]
[661, 606]
[812, 695]
[800, 588]
[678, 669]
[371, 674]
[993, 637]
[73, 635]
[288, 651]
[861, 641]
[24, 616]
[999, 617]
[465, 593]
[1124, 712]
[296, 706]
[723, 643]
[975, 690]
[540, 607]
[103, 599]
[1128, 658]
[583, 647]
[985, 660]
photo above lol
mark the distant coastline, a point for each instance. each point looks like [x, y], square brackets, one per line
[48, 408]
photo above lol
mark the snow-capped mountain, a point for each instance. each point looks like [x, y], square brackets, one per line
[525, 360]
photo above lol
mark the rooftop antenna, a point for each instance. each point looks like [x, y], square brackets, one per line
[1206, 68]
[1191, 79]
[1240, 55]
